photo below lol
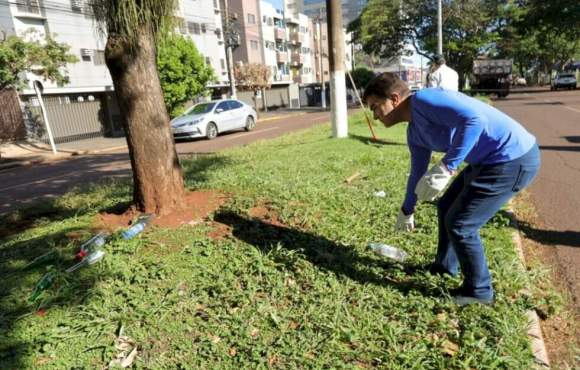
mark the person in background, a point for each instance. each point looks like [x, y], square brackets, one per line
[503, 158]
[442, 76]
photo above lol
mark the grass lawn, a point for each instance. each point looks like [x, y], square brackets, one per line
[295, 287]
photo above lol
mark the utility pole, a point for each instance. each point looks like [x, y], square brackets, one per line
[439, 28]
[228, 42]
[319, 30]
[336, 47]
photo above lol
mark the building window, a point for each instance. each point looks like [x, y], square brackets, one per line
[208, 61]
[28, 6]
[99, 58]
[193, 28]
[203, 28]
[270, 22]
[254, 44]
[218, 32]
[251, 18]
[76, 6]
[223, 63]
[264, 19]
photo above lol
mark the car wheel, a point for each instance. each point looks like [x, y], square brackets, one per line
[250, 123]
[211, 131]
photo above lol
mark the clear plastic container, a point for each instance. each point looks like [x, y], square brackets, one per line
[388, 251]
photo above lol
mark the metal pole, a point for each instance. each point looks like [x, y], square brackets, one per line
[229, 57]
[439, 28]
[336, 48]
[38, 88]
[319, 30]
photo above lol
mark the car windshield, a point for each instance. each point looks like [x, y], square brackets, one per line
[566, 75]
[199, 109]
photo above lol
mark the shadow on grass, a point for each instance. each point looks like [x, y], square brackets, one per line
[342, 260]
[369, 140]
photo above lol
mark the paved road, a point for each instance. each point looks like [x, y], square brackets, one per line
[26, 185]
[554, 117]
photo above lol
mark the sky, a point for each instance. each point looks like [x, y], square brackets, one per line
[278, 4]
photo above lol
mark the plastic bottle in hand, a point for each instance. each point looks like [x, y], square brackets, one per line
[137, 227]
[44, 283]
[385, 250]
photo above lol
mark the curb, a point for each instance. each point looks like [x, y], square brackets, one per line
[534, 329]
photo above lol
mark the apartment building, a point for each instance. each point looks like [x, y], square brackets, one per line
[201, 21]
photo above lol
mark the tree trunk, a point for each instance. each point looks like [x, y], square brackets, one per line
[157, 179]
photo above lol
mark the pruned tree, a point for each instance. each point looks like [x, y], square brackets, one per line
[133, 29]
[182, 71]
[253, 77]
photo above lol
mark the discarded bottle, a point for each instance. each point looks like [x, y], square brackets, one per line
[91, 245]
[90, 259]
[385, 250]
[137, 227]
[380, 194]
[44, 283]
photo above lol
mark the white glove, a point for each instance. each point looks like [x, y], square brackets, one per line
[404, 222]
[433, 182]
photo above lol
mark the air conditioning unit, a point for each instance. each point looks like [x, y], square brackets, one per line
[87, 52]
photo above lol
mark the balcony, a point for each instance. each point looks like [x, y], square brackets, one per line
[280, 33]
[296, 38]
[281, 57]
[297, 59]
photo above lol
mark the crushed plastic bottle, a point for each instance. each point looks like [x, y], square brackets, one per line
[137, 227]
[43, 284]
[388, 251]
[90, 259]
[380, 194]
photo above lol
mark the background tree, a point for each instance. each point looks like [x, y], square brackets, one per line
[469, 28]
[253, 77]
[361, 76]
[133, 28]
[47, 59]
[182, 71]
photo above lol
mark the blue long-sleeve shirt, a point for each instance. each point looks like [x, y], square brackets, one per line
[465, 129]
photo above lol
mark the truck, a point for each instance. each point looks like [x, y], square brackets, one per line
[492, 76]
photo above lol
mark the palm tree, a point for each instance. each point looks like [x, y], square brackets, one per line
[132, 28]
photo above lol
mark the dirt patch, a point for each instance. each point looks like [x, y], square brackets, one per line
[198, 205]
[262, 212]
[266, 214]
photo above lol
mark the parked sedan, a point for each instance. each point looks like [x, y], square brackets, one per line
[212, 118]
[566, 80]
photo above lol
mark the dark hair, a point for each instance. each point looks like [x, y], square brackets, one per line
[383, 85]
[438, 60]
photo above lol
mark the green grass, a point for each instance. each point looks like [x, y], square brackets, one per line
[309, 295]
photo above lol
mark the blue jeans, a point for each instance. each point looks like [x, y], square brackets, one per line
[473, 198]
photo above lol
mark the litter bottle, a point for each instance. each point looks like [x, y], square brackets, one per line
[388, 251]
[90, 259]
[137, 227]
[91, 245]
[44, 283]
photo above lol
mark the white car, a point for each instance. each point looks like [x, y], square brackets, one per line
[211, 118]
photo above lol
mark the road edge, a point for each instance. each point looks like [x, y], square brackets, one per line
[534, 329]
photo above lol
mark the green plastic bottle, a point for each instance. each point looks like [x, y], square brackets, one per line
[42, 285]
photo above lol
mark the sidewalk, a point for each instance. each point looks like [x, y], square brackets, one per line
[25, 153]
